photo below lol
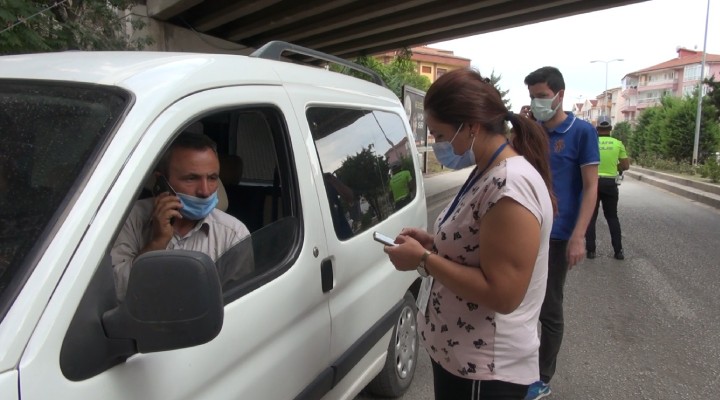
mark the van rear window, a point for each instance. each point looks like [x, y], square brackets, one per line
[48, 134]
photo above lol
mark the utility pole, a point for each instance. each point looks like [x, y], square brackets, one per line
[603, 111]
[696, 143]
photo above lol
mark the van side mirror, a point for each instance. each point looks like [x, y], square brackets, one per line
[173, 300]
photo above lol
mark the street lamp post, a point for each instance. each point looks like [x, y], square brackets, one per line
[696, 142]
[604, 111]
[582, 112]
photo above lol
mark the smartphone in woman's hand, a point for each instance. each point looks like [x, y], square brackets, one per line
[386, 240]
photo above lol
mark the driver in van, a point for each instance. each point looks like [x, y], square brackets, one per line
[186, 219]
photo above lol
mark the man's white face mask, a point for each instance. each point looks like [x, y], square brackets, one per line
[542, 109]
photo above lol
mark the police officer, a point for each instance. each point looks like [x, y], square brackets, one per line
[613, 161]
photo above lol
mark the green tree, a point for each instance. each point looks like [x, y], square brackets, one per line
[645, 140]
[622, 131]
[668, 131]
[495, 80]
[402, 71]
[368, 62]
[709, 131]
[713, 95]
[676, 129]
[32, 26]
[399, 72]
[369, 175]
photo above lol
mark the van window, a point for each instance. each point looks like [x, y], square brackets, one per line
[367, 165]
[257, 186]
[262, 194]
[49, 133]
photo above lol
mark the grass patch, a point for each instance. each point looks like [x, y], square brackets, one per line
[708, 172]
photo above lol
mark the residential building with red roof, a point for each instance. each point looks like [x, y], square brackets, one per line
[430, 62]
[677, 77]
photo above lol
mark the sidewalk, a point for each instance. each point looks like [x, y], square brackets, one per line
[441, 185]
[701, 192]
[445, 184]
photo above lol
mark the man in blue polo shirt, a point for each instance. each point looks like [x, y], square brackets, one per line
[574, 159]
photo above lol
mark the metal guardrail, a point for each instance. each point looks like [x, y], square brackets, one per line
[275, 49]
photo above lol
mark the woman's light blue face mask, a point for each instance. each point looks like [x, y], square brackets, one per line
[446, 155]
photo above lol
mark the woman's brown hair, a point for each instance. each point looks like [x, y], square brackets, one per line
[463, 96]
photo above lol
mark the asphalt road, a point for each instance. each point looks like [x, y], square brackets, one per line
[643, 328]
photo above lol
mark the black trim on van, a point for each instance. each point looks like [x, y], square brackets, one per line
[331, 376]
[319, 387]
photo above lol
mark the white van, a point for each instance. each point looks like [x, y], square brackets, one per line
[322, 314]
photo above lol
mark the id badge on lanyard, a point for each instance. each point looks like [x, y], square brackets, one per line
[427, 282]
[424, 294]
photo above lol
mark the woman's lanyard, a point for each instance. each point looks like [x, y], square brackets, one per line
[472, 179]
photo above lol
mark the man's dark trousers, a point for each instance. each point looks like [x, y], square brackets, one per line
[551, 313]
[608, 195]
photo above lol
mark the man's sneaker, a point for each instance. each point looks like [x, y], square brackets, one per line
[590, 255]
[538, 390]
[620, 255]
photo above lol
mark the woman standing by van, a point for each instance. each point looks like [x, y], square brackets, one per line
[486, 261]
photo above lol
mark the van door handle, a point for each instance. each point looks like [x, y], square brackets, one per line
[326, 275]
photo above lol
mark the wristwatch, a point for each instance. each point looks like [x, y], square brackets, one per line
[421, 267]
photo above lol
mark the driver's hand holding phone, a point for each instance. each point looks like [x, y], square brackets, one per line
[165, 211]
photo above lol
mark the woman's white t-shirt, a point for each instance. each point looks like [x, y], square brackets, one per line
[467, 339]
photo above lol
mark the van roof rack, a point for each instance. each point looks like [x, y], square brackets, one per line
[274, 50]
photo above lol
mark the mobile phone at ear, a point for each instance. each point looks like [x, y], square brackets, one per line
[162, 185]
[386, 240]
[527, 111]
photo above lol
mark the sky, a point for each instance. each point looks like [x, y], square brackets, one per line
[643, 35]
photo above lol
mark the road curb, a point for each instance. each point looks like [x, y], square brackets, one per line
[680, 186]
[705, 187]
[442, 195]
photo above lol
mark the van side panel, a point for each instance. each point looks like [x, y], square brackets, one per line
[9, 385]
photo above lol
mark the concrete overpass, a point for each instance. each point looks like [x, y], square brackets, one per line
[346, 28]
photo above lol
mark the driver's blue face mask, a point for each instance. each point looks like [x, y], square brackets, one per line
[196, 208]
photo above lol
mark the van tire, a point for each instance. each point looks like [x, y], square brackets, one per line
[402, 356]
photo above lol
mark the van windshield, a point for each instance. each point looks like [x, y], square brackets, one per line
[49, 134]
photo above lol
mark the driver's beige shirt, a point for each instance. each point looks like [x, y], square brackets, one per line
[214, 235]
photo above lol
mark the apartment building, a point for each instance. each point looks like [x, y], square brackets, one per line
[607, 103]
[587, 110]
[676, 77]
[431, 62]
